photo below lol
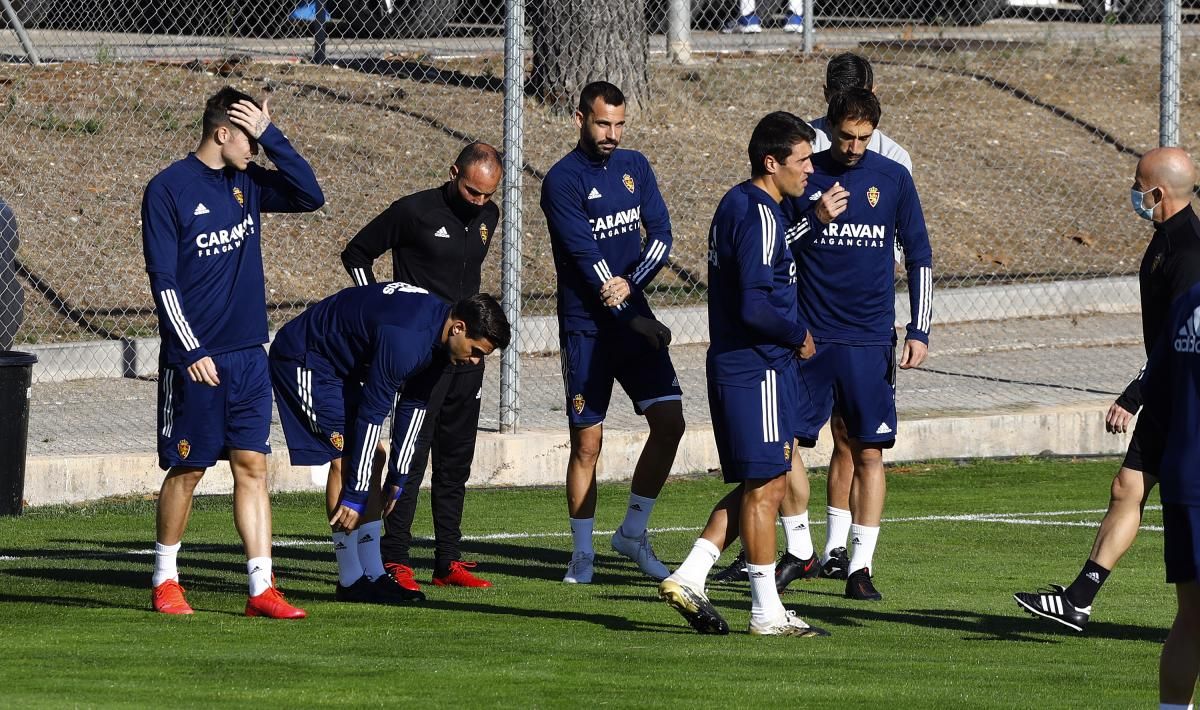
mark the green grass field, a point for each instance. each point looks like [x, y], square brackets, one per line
[74, 610]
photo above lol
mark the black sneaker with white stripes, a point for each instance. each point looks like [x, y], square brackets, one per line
[1052, 603]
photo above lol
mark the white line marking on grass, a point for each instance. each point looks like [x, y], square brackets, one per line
[1034, 518]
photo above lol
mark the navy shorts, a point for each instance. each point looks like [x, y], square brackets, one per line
[861, 379]
[591, 362]
[1181, 542]
[314, 408]
[753, 424]
[198, 424]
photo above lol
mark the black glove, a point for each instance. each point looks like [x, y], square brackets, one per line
[656, 335]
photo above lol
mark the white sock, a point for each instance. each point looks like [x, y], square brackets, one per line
[164, 563]
[799, 540]
[699, 563]
[368, 549]
[764, 598]
[345, 549]
[259, 570]
[796, 7]
[637, 515]
[864, 546]
[746, 7]
[837, 530]
[581, 534]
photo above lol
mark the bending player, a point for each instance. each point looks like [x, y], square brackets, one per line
[337, 369]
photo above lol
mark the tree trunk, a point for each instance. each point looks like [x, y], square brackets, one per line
[575, 43]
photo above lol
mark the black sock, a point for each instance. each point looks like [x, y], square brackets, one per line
[1085, 587]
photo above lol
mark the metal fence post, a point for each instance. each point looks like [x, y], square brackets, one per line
[809, 29]
[514, 160]
[15, 23]
[1168, 110]
[321, 35]
[679, 32]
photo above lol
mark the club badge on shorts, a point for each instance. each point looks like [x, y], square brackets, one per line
[337, 440]
[628, 182]
[577, 403]
[237, 195]
[872, 196]
[184, 448]
[787, 452]
[483, 233]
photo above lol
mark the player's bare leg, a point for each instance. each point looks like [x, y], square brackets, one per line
[252, 517]
[174, 510]
[658, 455]
[1180, 661]
[760, 506]
[866, 508]
[649, 475]
[251, 501]
[586, 443]
[175, 503]
[1127, 500]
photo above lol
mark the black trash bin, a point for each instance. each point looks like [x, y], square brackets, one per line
[16, 375]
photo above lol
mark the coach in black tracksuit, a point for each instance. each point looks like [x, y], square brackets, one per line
[439, 239]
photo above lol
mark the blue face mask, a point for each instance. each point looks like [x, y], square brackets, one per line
[1138, 198]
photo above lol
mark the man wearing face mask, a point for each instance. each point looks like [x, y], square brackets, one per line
[1161, 193]
[438, 239]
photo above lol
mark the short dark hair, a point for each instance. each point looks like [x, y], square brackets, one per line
[775, 135]
[602, 90]
[484, 318]
[477, 152]
[216, 110]
[848, 71]
[855, 105]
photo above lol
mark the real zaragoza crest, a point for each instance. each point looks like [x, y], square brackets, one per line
[184, 448]
[577, 403]
[628, 182]
[483, 233]
[337, 440]
[237, 195]
[787, 452]
[873, 195]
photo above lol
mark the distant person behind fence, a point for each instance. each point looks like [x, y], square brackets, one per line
[201, 234]
[12, 296]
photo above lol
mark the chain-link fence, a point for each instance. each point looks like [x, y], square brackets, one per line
[1024, 121]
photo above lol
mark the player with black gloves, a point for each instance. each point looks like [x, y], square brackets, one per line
[597, 199]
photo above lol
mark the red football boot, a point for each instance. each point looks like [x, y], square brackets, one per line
[272, 605]
[460, 577]
[168, 599]
[402, 575]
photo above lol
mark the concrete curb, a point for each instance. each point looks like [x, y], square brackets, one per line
[540, 457]
[138, 357]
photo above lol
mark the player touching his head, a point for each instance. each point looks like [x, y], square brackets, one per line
[753, 383]
[202, 241]
[337, 369]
